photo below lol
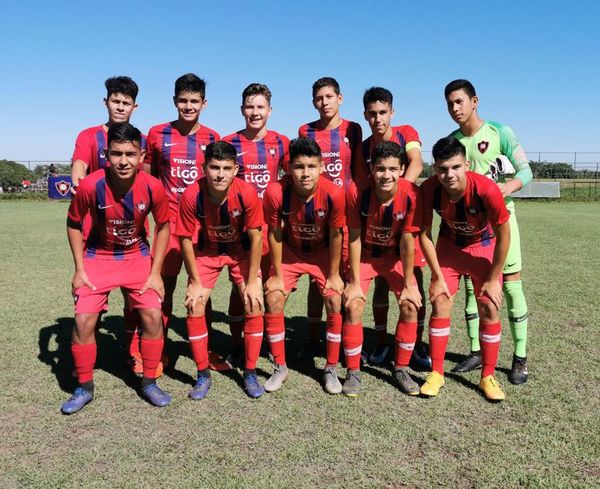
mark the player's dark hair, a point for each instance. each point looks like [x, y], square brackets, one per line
[465, 85]
[123, 132]
[304, 147]
[326, 81]
[221, 151]
[256, 89]
[190, 83]
[377, 94]
[386, 149]
[447, 148]
[121, 84]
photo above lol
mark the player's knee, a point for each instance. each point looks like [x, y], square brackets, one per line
[487, 312]
[151, 323]
[275, 302]
[408, 311]
[355, 310]
[333, 303]
[85, 326]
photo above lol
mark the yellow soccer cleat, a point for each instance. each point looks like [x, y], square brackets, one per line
[491, 389]
[433, 383]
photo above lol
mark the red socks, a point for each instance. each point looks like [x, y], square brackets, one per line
[84, 358]
[198, 338]
[439, 332]
[275, 325]
[406, 335]
[151, 353]
[333, 330]
[253, 333]
[353, 340]
[489, 339]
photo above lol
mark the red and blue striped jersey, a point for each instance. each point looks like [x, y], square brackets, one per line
[469, 220]
[91, 148]
[177, 159]
[382, 224]
[405, 136]
[339, 148]
[261, 161]
[305, 223]
[119, 223]
[220, 227]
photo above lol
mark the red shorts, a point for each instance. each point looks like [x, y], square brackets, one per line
[107, 274]
[294, 265]
[419, 261]
[210, 266]
[388, 267]
[474, 260]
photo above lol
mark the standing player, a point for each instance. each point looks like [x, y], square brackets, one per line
[117, 254]
[224, 213]
[90, 155]
[261, 156]
[306, 214]
[378, 106]
[488, 145]
[339, 140]
[175, 155]
[473, 240]
[382, 217]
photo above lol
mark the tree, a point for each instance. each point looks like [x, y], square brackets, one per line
[12, 174]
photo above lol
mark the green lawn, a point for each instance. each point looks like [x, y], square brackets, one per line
[546, 434]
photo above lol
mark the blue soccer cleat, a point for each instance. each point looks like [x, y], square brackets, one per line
[203, 383]
[155, 395]
[252, 386]
[77, 401]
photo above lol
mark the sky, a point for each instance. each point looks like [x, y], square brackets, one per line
[535, 64]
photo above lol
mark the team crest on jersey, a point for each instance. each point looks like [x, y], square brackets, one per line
[62, 187]
[272, 152]
[203, 147]
[235, 213]
[141, 206]
[102, 155]
[398, 216]
[346, 140]
[482, 146]
[320, 213]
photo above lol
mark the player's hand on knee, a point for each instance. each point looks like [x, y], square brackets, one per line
[411, 293]
[351, 292]
[274, 283]
[492, 289]
[253, 296]
[154, 282]
[80, 279]
[334, 282]
[194, 295]
[438, 288]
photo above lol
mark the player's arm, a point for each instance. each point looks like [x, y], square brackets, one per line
[78, 172]
[334, 281]
[414, 157]
[253, 294]
[438, 284]
[195, 291]
[492, 287]
[155, 280]
[410, 292]
[353, 289]
[77, 210]
[512, 149]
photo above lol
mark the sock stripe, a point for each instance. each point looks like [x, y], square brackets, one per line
[353, 351]
[253, 334]
[471, 316]
[198, 338]
[273, 338]
[336, 338]
[406, 346]
[439, 331]
[490, 338]
[518, 319]
[380, 327]
[235, 318]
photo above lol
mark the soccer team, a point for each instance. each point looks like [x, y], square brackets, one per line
[344, 211]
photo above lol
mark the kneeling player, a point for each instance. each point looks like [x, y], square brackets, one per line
[225, 212]
[473, 240]
[117, 254]
[305, 213]
[381, 220]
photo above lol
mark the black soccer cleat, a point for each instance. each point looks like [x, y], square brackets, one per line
[472, 362]
[518, 372]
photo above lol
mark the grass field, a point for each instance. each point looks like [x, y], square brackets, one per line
[546, 434]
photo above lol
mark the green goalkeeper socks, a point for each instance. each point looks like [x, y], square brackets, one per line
[471, 315]
[517, 315]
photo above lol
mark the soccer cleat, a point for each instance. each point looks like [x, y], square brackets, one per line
[331, 383]
[309, 352]
[379, 356]
[518, 372]
[491, 389]
[420, 357]
[472, 362]
[274, 383]
[77, 401]
[203, 383]
[405, 382]
[351, 386]
[155, 395]
[137, 366]
[433, 383]
[252, 385]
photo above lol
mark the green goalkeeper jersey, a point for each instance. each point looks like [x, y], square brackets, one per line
[488, 143]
